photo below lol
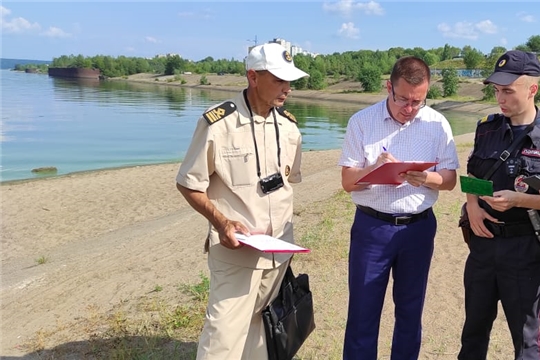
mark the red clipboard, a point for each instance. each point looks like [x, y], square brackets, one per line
[388, 173]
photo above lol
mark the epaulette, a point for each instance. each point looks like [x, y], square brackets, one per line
[219, 112]
[489, 118]
[285, 113]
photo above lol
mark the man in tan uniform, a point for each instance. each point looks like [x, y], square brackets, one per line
[237, 173]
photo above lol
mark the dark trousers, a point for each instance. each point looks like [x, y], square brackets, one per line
[378, 247]
[505, 269]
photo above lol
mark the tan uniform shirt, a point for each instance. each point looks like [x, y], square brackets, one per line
[221, 161]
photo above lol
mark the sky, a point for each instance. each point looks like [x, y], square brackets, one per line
[41, 30]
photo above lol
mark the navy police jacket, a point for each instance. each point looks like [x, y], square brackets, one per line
[493, 135]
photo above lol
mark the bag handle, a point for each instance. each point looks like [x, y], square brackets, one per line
[290, 278]
[506, 153]
[288, 281]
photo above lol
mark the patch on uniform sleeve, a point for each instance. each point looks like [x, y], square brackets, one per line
[219, 112]
[287, 114]
[531, 152]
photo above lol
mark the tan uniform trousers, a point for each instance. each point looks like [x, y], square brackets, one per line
[233, 328]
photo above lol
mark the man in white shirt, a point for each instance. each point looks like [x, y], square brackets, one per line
[394, 226]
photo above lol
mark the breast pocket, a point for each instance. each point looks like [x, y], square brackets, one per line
[238, 166]
[481, 161]
[531, 165]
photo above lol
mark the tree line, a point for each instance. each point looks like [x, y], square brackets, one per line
[364, 66]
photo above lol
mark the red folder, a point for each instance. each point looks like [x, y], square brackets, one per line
[388, 173]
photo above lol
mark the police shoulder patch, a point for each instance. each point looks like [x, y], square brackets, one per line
[489, 118]
[219, 112]
[287, 114]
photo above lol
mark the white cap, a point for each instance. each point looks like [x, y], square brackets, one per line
[274, 58]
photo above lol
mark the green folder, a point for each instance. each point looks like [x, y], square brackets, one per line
[476, 186]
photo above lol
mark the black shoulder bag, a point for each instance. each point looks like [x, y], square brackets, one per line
[463, 222]
[289, 320]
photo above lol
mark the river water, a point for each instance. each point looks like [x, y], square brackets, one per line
[89, 125]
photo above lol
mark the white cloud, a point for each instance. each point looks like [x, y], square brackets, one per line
[151, 39]
[55, 32]
[525, 17]
[444, 28]
[4, 11]
[371, 8]
[18, 25]
[486, 27]
[467, 30]
[503, 41]
[459, 30]
[348, 7]
[348, 30]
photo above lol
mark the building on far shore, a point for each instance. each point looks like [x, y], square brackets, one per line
[167, 55]
[292, 49]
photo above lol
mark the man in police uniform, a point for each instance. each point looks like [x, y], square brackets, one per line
[504, 259]
[237, 173]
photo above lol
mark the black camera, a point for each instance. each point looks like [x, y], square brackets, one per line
[271, 183]
[513, 166]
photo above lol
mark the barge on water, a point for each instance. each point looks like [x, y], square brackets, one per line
[75, 73]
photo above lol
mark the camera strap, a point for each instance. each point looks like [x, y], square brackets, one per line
[255, 140]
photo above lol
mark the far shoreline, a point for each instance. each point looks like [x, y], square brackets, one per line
[235, 83]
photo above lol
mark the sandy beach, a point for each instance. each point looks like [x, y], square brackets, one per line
[107, 237]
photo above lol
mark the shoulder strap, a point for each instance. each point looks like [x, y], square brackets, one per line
[506, 153]
[219, 112]
[487, 118]
[285, 113]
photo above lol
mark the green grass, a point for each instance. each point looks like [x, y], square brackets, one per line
[149, 327]
[453, 63]
[199, 291]
[42, 260]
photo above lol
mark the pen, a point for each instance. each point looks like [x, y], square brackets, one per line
[384, 148]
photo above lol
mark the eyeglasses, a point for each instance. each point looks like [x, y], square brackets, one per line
[416, 104]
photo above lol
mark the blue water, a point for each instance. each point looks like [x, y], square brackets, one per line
[88, 125]
[84, 126]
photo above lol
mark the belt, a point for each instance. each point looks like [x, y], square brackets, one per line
[510, 229]
[396, 219]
